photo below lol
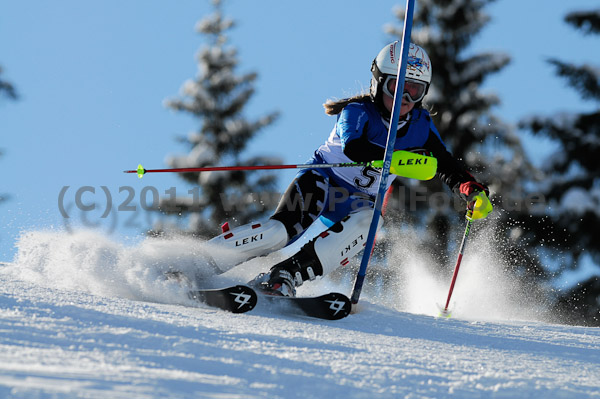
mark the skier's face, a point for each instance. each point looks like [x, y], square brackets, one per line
[411, 89]
[414, 90]
[405, 108]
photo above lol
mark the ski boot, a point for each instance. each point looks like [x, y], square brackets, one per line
[278, 284]
[284, 277]
[329, 250]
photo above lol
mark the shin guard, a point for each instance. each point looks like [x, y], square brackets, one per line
[242, 243]
[329, 250]
[337, 245]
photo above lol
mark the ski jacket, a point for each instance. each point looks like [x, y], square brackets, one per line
[360, 135]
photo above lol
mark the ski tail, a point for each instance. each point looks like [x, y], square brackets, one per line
[331, 306]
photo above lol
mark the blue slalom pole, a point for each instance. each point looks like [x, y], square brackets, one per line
[389, 150]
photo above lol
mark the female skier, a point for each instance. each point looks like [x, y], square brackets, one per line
[345, 197]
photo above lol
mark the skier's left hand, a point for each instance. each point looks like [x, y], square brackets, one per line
[476, 195]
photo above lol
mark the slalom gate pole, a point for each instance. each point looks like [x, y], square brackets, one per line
[386, 199]
[389, 150]
[444, 312]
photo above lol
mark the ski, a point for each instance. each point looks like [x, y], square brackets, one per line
[235, 299]
[332, 306]
[241, 299]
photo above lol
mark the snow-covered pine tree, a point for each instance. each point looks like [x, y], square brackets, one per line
[463, 115]
[567, 230]
[216, 98]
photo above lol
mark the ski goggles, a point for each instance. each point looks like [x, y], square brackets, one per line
[414, 90]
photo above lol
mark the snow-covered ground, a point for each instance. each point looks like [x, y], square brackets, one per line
[82, 316]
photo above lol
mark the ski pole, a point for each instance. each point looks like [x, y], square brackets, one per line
[141, 171]
[444, 312]
[389, 151]
[403, 163]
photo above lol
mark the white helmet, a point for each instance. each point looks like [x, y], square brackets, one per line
[385, 68]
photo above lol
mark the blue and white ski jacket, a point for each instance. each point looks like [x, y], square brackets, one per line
[360, 135]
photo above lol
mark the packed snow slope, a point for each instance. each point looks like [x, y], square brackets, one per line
[84, 317]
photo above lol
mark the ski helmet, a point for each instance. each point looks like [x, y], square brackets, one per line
[385, 68]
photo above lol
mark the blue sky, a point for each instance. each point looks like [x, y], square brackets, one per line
[93, 77]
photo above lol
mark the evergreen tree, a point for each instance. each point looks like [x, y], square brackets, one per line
[567, 229]
[463, 115]
[216, 98]
[7, 89]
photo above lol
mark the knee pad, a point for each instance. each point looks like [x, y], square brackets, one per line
[242, 243]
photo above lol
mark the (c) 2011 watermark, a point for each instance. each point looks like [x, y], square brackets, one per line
[100, 208]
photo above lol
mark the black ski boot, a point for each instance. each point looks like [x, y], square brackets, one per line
[304, 265]
[278, 284]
